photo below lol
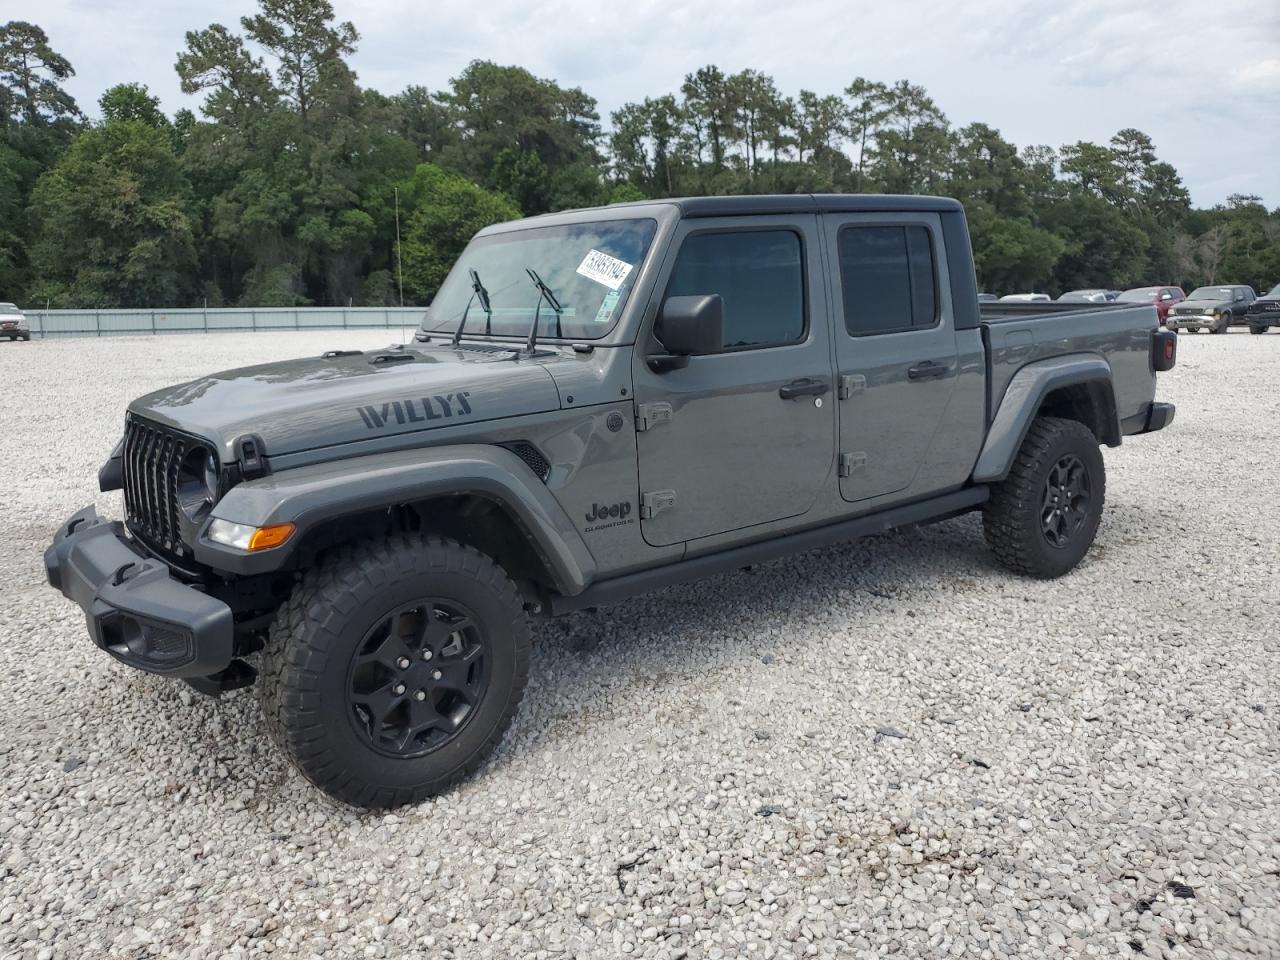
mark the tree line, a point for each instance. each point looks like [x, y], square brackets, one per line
[287, 186]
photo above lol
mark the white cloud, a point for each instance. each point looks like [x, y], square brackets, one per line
[1199, 77]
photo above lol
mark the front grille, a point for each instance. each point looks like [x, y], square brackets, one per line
[150, 462]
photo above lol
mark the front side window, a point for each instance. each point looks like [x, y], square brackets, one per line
[888, 279]
[759, 274]
[591, 268]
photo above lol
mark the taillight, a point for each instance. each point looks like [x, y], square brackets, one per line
[1164, 350]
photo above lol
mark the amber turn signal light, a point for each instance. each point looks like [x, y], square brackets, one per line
[264, 538]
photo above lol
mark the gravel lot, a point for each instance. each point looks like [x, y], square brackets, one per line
[887, 747]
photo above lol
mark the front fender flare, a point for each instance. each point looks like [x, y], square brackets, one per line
[313, 495]
[1022, 399]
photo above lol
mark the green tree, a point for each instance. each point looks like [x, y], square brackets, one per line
[443, 211]
[524, 136]
[711, 105]
[1011, 253]
[31, 74]
[131, 101]
[308, 48]
[868, 107]
[913, 149]
[112, 228]
[760, 110]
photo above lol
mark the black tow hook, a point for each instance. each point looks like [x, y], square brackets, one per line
[122, 574]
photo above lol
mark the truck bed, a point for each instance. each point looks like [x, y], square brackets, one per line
[1017, 334]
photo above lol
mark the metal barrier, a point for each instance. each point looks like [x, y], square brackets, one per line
[111, 323]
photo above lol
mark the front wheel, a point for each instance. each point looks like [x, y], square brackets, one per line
[1257, 328]
[395, 668]
[1042, 518]
[1223, 324]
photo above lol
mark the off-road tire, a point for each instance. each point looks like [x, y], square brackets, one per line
[304, 670]
[1012, 517]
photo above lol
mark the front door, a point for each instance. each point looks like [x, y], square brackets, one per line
[745, 436]
[896, 353]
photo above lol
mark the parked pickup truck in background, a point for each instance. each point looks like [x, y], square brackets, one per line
[1164, 298]
[1211, 308]
[1264, 313]
[599, 403]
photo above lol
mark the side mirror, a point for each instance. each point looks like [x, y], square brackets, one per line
[1166, 296]
[688, 327]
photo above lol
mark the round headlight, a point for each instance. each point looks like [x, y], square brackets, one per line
[197, 483]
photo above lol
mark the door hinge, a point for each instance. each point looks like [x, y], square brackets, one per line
[849, 462]
[651, 414]
[652, 504]
[851, 383]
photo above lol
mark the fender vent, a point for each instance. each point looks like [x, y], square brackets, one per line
[531, 455]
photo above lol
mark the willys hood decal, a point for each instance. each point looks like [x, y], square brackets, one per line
[298, 405]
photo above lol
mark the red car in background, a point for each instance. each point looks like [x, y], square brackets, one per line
[1162, 297]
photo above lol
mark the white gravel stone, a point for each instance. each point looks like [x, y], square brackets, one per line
[893, 746]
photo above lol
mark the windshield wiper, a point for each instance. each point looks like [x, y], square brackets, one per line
[544, 293]
[477, 290]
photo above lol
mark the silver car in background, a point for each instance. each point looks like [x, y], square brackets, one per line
[13, 323]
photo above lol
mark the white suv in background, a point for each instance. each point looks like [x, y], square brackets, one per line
[13, 324]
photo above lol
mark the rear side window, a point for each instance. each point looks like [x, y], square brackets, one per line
[888, 278]
[760, 276]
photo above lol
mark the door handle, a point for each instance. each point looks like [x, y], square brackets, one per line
[805, 387]
[928, 370]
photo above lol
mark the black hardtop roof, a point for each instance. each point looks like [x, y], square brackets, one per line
[761, 204]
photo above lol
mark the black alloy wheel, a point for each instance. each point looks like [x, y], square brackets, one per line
[1064, 507]
[417, 678]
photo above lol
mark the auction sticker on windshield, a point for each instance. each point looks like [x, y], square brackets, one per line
[605, 269]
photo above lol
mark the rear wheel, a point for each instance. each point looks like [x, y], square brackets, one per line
[1042, 518]
[395, 668]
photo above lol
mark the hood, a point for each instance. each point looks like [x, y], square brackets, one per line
[338, 398]
[1200, 306]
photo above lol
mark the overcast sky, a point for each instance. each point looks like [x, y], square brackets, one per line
[1201, 78]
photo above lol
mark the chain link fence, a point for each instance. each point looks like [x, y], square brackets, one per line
[113, 323]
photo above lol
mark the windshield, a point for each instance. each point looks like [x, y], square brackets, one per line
[1141, 295]
[1210, 293]
[589, 267]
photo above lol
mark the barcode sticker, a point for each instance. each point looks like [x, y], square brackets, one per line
[605, 269]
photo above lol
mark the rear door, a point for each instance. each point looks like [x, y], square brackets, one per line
[746, 436]
[896, 355]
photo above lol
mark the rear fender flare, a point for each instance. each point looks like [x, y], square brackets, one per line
[1021, 402]
[310, 496]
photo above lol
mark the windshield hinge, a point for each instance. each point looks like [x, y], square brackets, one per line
[651, 414]
[851, 383]
[852, 462]
[652, 504]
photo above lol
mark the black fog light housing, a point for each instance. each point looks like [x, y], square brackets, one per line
[145, 644]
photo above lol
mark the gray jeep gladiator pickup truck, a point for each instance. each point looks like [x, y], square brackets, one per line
[598, 403]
